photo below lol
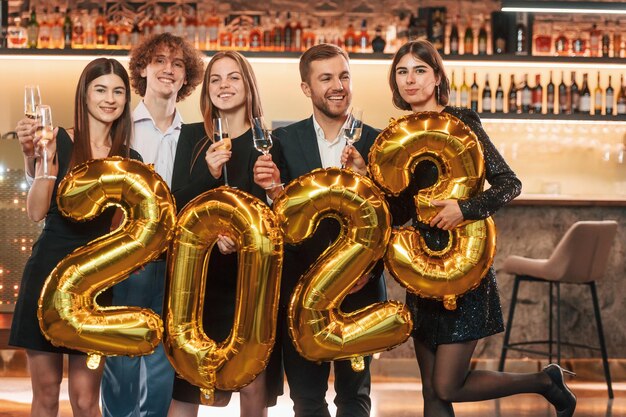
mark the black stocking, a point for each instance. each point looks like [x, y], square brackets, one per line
[452, 381]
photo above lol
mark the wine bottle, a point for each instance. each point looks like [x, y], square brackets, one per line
[610, 98]
[621, 100]
[537, 96]
[550, 96]
[474, 95]
[468, 40]
[454, 37]
[512, 97]
[452, 99]
[499, 96]
[482, 39]
[526, 93]
[464, 93]
[574, 95]
[563, 96]
[585, 97]
[597, 98]
[486, 96]
[521, 37]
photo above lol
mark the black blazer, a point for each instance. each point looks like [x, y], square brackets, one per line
[298, 154]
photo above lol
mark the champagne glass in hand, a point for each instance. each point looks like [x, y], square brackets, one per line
[353, 127]
[32, 99]
[45, 133]
[262, 138]
[221, 134]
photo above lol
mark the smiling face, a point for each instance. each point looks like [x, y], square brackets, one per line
[329, 86]
[227, 91]
[106, 98]
[165, 74]
[416, 83]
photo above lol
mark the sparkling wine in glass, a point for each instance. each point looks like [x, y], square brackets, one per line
[45, 133]
[32, 99]
[221, 135]
[262, 138]
[353, 127]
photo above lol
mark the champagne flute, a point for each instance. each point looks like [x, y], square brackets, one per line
[353, 127]
[45, 133]
[32, 99]
[262, 138]
[220, 134]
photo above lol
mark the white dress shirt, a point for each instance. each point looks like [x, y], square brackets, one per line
[330, 150]
[154, 146]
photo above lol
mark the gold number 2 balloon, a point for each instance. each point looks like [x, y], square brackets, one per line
[236, 361]
[68, 312]
[319, 330]
[457, 153]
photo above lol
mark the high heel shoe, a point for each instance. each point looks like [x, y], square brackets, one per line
[559, 395]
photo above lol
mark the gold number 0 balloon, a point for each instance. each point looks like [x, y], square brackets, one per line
[68, 313]
[457, 153]
[319, 330]
[236, 361]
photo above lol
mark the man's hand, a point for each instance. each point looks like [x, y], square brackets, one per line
[266, 173]
[226, 244]
[360, 283]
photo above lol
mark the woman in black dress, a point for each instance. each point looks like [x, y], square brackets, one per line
[445, 340]
[229, 91]
[102, 128]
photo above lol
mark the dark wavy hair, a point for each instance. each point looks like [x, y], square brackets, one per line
[122, 127]
[424, 51]
[142, 54]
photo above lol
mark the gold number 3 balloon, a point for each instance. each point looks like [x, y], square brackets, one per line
[236, 361]
[319, 330]
[457, 154]
[68, 313]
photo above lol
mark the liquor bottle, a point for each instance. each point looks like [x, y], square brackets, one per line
[256, 34]
[486, 96]
[464, 93]
[617, 41]
[123, 34]
[579, 45]
[225, 36]
[610, 98]
[349, 38]
[537, 96]
[563, 97]
[482, 39]
[468, 40]
[4, 23]
[378, 43]
[437, 31]
[526, 96]
[550, 96]
[574, 95]
[561, 44]
[179, 23]
[135, 35]
[454, 37]
[78, 37]
[585, 97]
[363, 40]
[56, 29]
[621, 99]
[277, 34]
[268, 40]
[240, 33]
[112, 35]
[67, 29]
[512, 97]
[45, 32]
[32, 29]
[298, 35]
[212, 29]
[308, 36]
[452, 99]
[606, 40]
[597, 98]
[521, 36]
[89, 23]
[288, 33]
[595, 37]
[191, 28]
[100, 27]
[499, 96]
[474, 95]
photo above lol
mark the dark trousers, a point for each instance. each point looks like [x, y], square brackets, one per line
[308, 383]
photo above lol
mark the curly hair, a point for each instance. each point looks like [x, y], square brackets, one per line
[142, 54]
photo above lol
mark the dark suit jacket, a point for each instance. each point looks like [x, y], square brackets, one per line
[298, 155]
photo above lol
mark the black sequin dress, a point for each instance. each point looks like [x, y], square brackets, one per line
[478, 313]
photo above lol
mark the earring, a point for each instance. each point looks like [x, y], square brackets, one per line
[437, 93]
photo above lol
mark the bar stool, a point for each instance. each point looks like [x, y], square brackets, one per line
[579, 258]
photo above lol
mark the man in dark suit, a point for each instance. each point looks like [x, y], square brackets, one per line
[313, 143]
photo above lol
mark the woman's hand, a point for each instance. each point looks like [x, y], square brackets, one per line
[226, 245]
[216, 157]
[266, 173]
[351, 158]
[25, 130]
[449, 216]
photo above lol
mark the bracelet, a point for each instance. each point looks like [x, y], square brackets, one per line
[42, 177]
